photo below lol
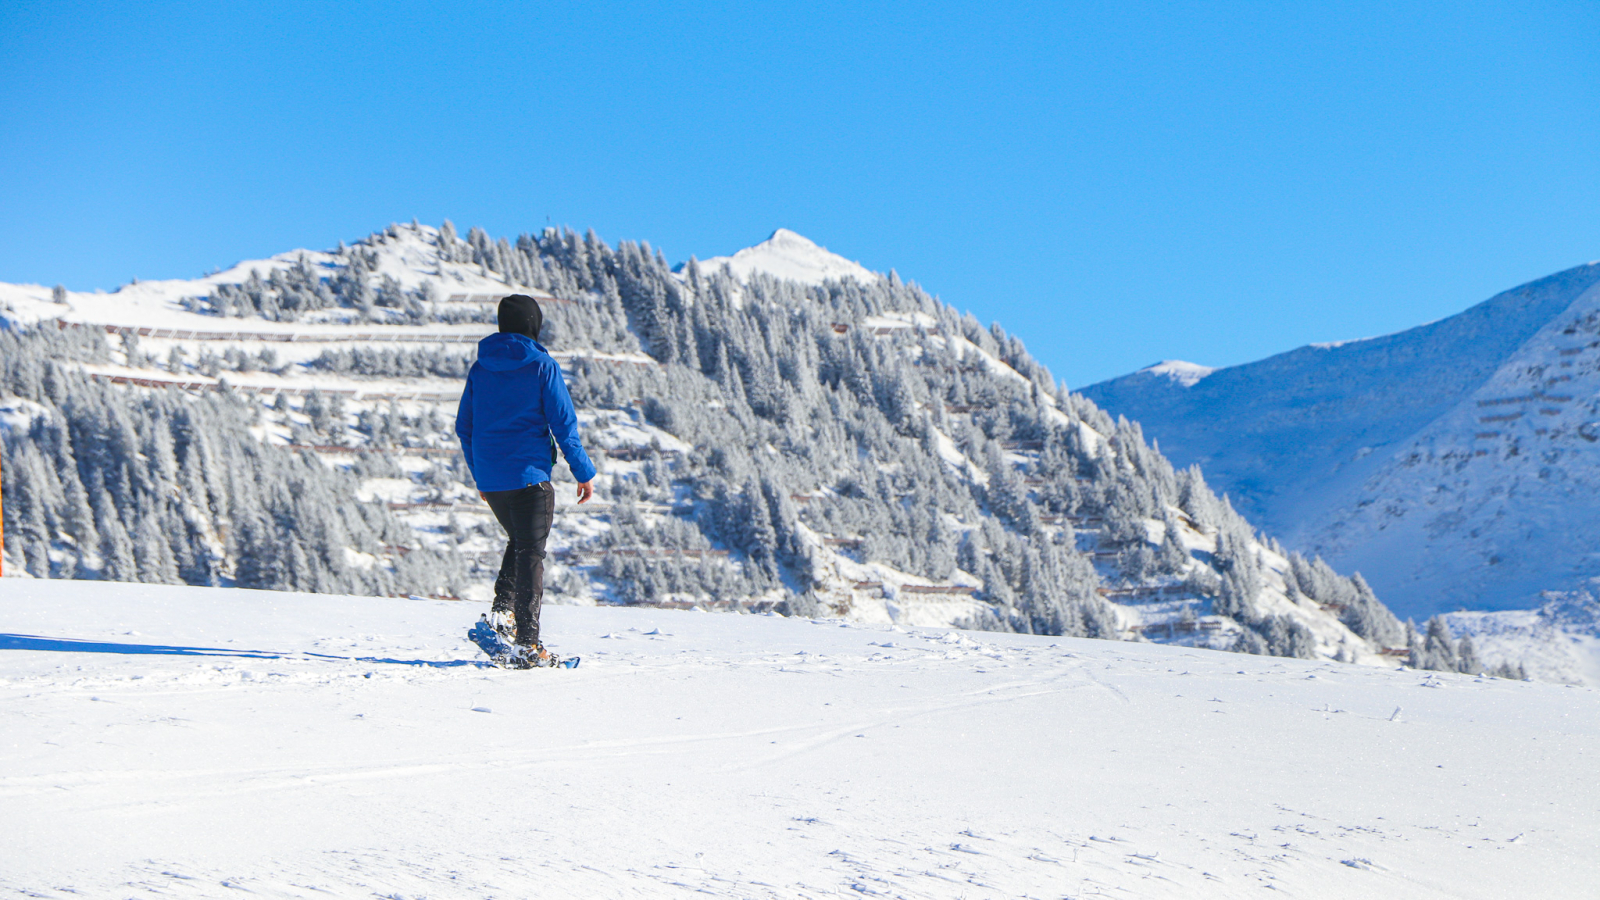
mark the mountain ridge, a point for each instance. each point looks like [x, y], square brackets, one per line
[1317, 443]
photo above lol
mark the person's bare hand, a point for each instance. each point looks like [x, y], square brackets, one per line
[585, 491]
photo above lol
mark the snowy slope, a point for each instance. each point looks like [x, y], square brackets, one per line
[1451, 464]
[790, 256]
[409, 255]
[1558, 642]
[197, 742]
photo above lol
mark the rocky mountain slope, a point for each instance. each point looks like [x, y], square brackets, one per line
[826, 443]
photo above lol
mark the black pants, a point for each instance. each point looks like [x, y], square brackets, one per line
[525, 514]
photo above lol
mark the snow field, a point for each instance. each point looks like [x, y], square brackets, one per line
[202, 742]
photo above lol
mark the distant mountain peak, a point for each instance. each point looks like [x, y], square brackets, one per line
[790, 255]
[1179, 371]
[784, 236]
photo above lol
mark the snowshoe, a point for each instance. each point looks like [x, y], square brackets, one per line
[507, 655]
[537, 657]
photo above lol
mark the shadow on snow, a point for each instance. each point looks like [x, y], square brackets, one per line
[71, 645]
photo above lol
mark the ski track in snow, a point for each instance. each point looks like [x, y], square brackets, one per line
[172, 741]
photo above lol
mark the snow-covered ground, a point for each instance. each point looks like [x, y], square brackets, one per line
[201, 742]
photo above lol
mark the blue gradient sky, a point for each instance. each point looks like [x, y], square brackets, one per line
[1116, 183]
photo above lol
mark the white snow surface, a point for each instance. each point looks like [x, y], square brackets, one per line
[208, 742]
[1558, 642]
[791, 256]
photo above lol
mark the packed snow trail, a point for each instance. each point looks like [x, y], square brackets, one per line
[184, 741]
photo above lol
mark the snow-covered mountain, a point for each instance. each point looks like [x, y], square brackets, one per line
[1455, 465]
[179, 741]
[852, 447]
[790, 256]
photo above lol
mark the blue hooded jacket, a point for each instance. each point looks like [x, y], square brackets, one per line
[514, 402]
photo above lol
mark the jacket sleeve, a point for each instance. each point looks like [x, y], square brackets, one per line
[563, 419]
[464, 423]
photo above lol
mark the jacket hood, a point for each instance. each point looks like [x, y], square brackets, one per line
[506, 351]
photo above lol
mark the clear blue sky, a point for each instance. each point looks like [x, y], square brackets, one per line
[1116, 183]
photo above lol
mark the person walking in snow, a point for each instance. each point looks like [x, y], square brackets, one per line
[514, 412]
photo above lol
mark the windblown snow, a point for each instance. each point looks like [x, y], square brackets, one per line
[204, 742]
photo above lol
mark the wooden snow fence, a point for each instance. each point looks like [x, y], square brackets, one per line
[496, 298]
[476, 506]
[572, 356]
[1143, 593]
[1077, 521]
[272, 390]
[291, 337]
[1527, 398]
[397, 451]
[578, 556]
[592, 508]
[751, 606]
[954, 590]
[1174, 629]
[908, 328]
[138, 381]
